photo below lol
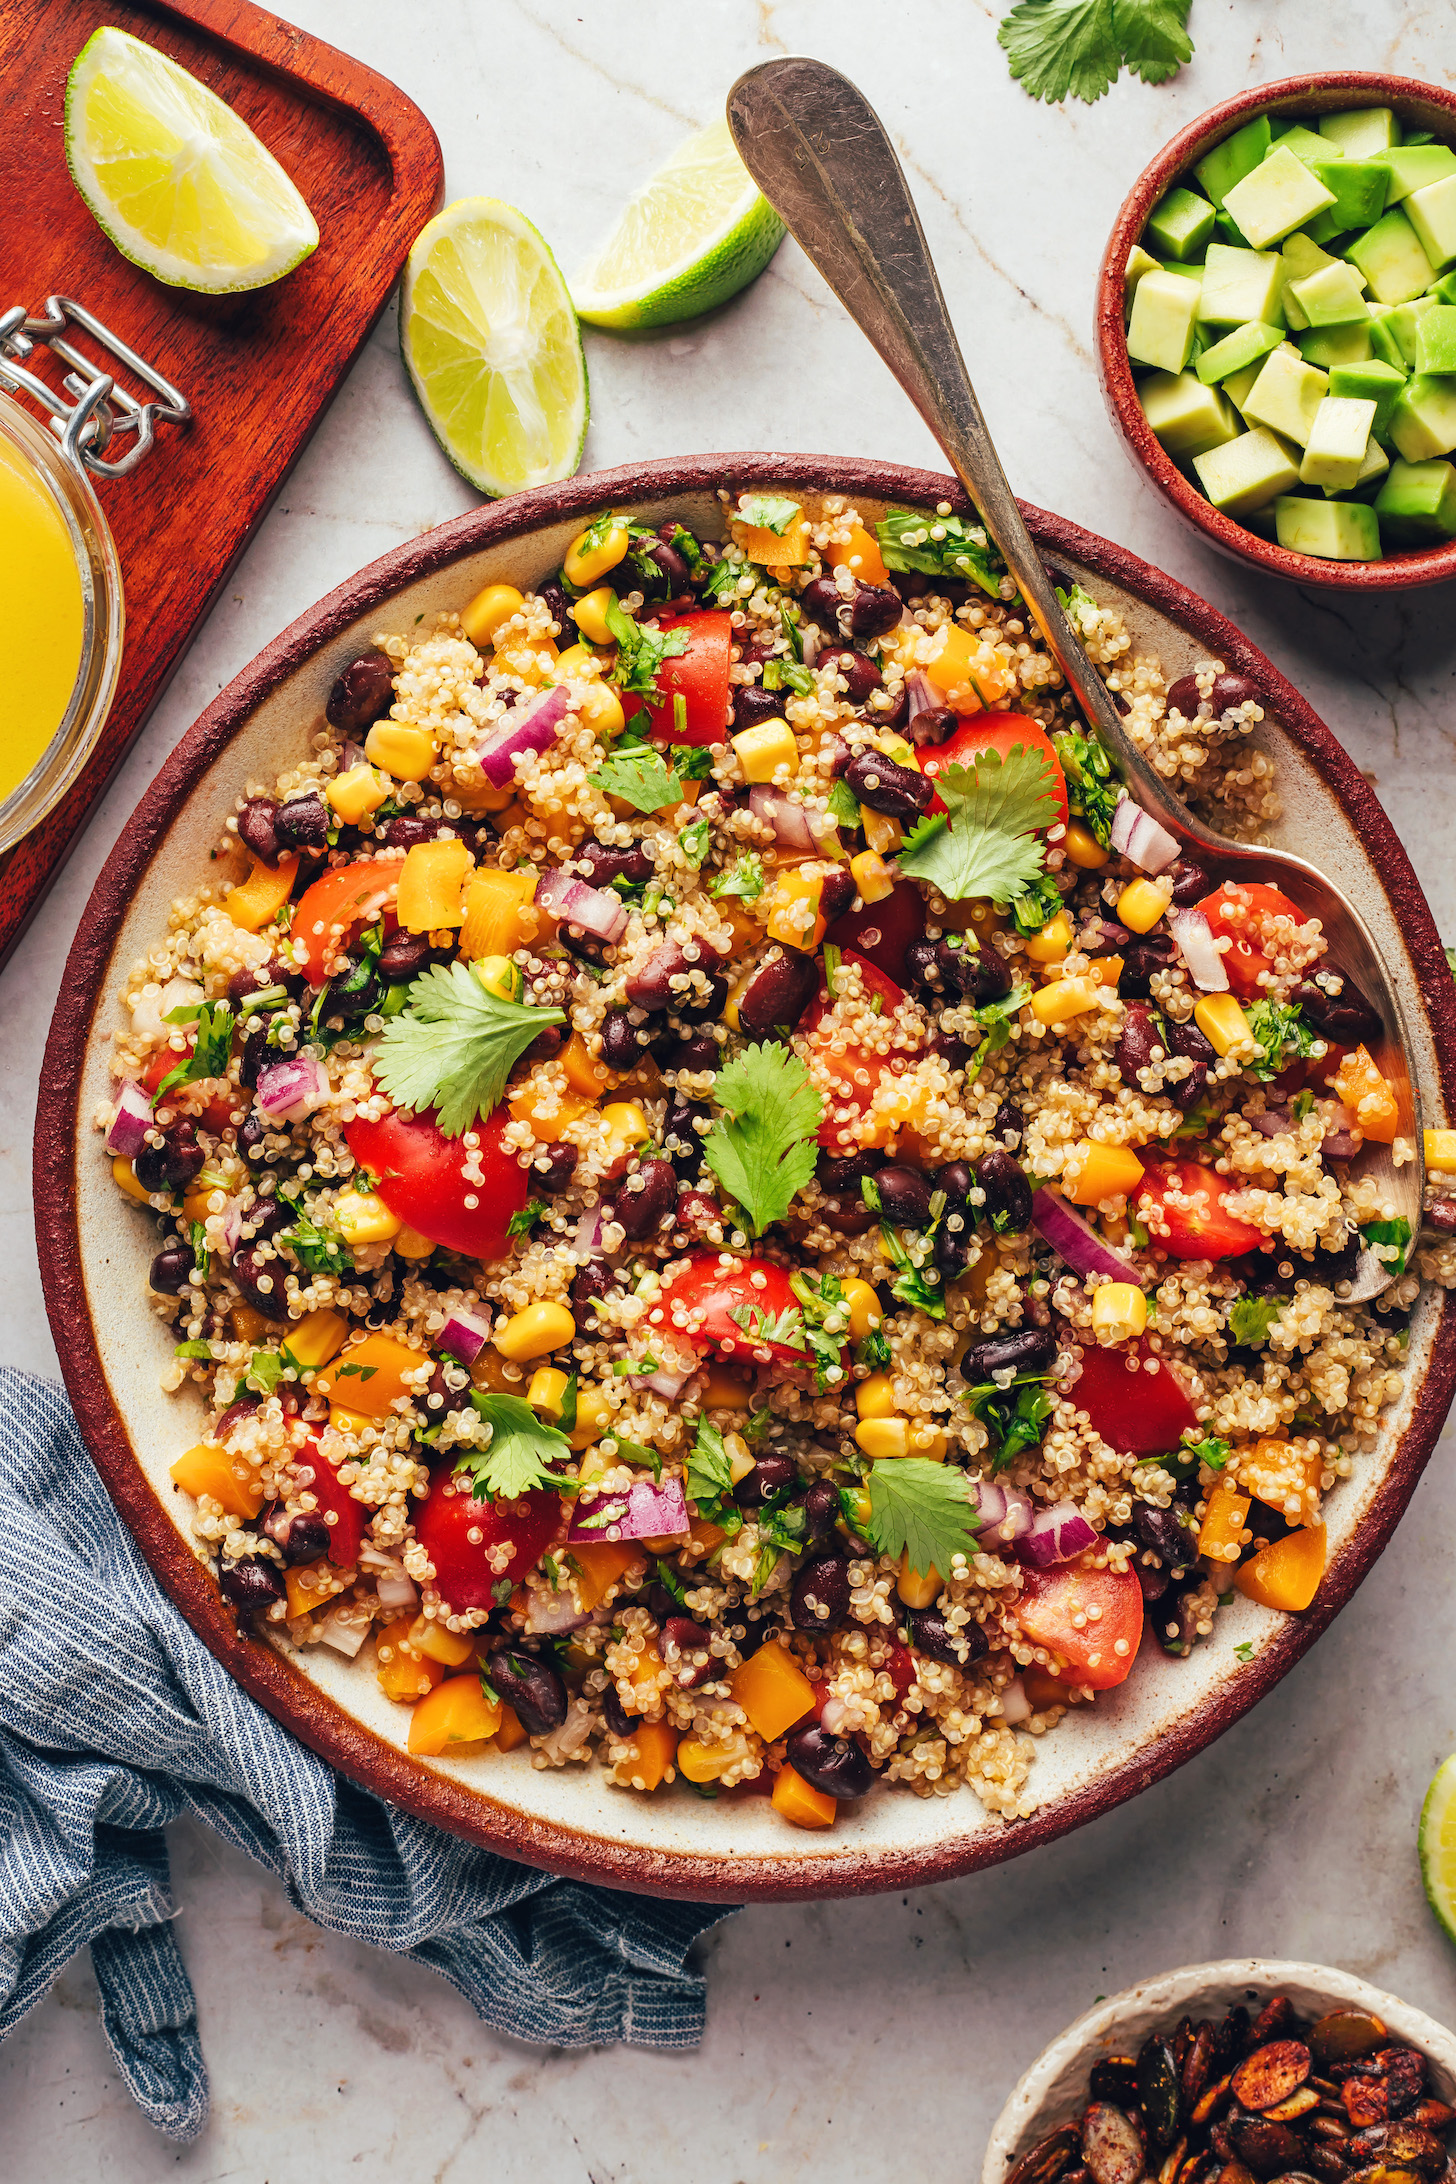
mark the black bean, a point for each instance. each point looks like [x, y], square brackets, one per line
[361, 694]
[1142, 1034]
[1140, 959]
[821, 1513]
[922, 966]
[1028, 1349]
[403, 957]
[698, 1004]
[904, 1197]
[170, 1270]
[1441, 1217]
[835, 1766]
[874, 609]
[700, 1051]
[264, 1217]
[1338, 1265]
[1190, 883]
[256, 828]
[779, 991]
[956, 1180]
[553, 1168]
[683, 1636]
[1187, 1041]
[1010, 1125]
[1153, 1580]
[1346, 1017]
[819, 1599]
[665, 574]
[752, 704]
[933, 724]
[857, 671]
[1170, 1533]
[592, 1282]
[823, 602]
[836, 893]
[771, 1477]
[955, 1245]
[303, 822]
[250, 1270]
[1228, 691]
[614, 1713]
[646, 1199]
[621, 1048]
[553, 598]
[931, 1634]
[841, 1175]
[681, 1142]
[549, 1040]
[171, 1165]
[602, 863]
[252, 1583]
[897, 791]
[955, 1053]
[979, 974]
[650, 987]
[408, 831]
[534, 1692]
[299, 1539]
[251, 1133]
[1008, 1194]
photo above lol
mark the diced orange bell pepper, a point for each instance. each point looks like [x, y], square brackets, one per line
[1225, 1515]
[549, 1112]
[1043, 1689]
[725, 1391]
[430, 883]
[1359, 1083]
[773, 1690]
[1105, 1171]
[861, 551]
[584, 1072]
[246, 1325]
[788, 549]
[310, 1585]
[404, 1677]
[451, 1648]
[1105, 970]
[1286, 1573]
[705, 1536]
[795, 919]
[598, 1566]
[368, 1378]
[800, 1803]
[654, 1744]
[510, 1733]
[262, 894]
[208, 1469]
[457, 1711]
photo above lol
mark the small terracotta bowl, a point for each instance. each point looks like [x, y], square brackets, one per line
[1417, 106]
[1054, 2089]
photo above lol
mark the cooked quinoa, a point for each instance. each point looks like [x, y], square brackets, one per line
[1061, 1264]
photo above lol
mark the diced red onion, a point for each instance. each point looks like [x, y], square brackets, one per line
[232, 1226]
[587, 1242]
[1273, 1122]
[1056, 1534]
[1196, 944]
[397, 1592]
[1004, 1514]
[1074, 1240]
[1140, 839]
[813, 644]
[1345, 1139]
[572, 902]
[552, 1614]
[530, 726]
[464, 1335]
[643, 1511]
[921, 692]
[664, 1382]
[1105, 933]
[1015, 1705]
[289, 1090]
[133, 1119]
[789, 821]
[345, 1629]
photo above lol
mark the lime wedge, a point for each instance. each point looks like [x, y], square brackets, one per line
[492, 347]
[179, 183]
[1438, 1844]
[690, 238]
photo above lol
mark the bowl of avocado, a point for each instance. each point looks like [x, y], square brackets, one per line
[1276, 328]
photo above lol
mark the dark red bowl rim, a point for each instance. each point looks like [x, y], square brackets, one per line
[1428, 104]
[322, 1725]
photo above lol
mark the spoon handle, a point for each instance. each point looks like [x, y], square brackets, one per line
[820, 154]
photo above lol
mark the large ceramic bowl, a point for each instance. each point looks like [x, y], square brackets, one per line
[95, 1248]
[1054, 2089]
[1418, 106]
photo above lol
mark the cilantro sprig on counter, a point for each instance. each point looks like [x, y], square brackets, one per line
[763, 1146]
[1061, 49]
[921, 1510]
[522, 1450]
[986, 842]
[454, 1046]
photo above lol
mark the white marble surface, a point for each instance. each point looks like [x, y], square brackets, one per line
[876, 2039]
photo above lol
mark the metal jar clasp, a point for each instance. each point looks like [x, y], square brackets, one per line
[100, 407]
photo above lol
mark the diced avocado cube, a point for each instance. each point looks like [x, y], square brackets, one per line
[1361, 131]
[1391, 259]
[1245, 473]
[1383, 340]
[1262, 521]
[1418, 502]
[1374, 382]
[1180, 224]
[1160, 331]
[1187, 416]
[1359, 187]
[1444, 290]
[1404, 320]
[1436, 339]
[1240, 285]
[1418, 136]
[1334, 530]
[1238, 385]
[1278, 197]
[1229, 231]
[1245, 345]
[1432, 213]
[1375, 465]
[1327, 226]
[1423, 419]
[1306, 145]
[1331, 297]
[1184, 272]
[1337, 442]
[1230, 161]
[1329, 345]
[1412, 166]
[1138, 263]
[1287, 394]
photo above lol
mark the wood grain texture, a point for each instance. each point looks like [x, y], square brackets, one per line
[258, 369]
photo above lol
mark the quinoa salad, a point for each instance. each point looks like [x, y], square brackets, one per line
[741, 1215]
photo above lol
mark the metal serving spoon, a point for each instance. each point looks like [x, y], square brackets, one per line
[820, 154]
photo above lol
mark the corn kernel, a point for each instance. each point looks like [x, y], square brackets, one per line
[593, 1417]
[915, 1589]
[590, 615]
[356, 793]
[875, 1397]
[1222, 1022]
[533, 663]
[1095, 1172]
[1119, 1312]
[600, 709]
[863, 1306]
[1053, 941]
[883, 833]
[701, 1762]
[365, 1219]
[872, 876]
[534, 1332]
[794, 920]
[598, 548]
[1083, 848]
[741, 1459]
[576, 660]
[406, 753]
[547, 1391]
[1142, 903]
[857, 1506]
[410, 1244]
[928, 1442]
[1065, 998]
[501, 976]
[766, 749]
[487, 611]
[882, 1437]
[1441, 1151]
[627, 1127]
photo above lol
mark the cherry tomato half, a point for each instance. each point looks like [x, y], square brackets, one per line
[1098, 1648]
[350, 895]
[447, 1516]
[698, 676]
[1201, 1229]
[346, 1532]
[421, 1178]
[998, 732]
[836, 1132]
[1244, 914]
[882, 931]
[223, 1108]
[1138, 1412]
[709, 1293]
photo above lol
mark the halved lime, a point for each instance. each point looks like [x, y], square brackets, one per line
[179, 183]
[1438, 1844]
[690, 238]
[492, 347]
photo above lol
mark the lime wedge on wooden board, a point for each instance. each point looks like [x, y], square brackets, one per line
[180, 184]
[691, 237]
[492, 347]
[1438, 1844]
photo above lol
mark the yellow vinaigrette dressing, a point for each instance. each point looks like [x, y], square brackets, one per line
[41, 616]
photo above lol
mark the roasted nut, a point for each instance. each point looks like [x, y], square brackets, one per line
[1298, 2104]
[1271, 2074]
[1213, 2100]
[1269, 2149]
[1049, 2160]
[1114, 2078]
[1157, 2079]
[1275, 2021]
[1111, 2145]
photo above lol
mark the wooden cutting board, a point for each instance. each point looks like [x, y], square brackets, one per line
[258, 369]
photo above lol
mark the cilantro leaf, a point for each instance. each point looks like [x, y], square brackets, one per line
[319, 1250]
[195, 1350]
[1017, 1414]
[921, 1510]
[844, 805]
[1076, 48]
[987, 843]
[765, 1153]
[780, 1532]
[1091, 784]
[201, 1256]
[1034, 910]
[691, 761]
[454, 1046]
[1390, 1233]
[1210, 1450]
[1250, 1319]
[914, 1285]
[521, 1452]
[695, 841]
[522, 1223]
[709, 1473]
[265, 1370]
[745, 879]
[1281, 1030]
[766, 512]
[210, 1051]
[640, 778]
[640, 652]
[721, 582]
[787, 675]
[996, 1019]
[907, 543]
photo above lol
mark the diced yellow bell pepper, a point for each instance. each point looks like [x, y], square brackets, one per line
[124, 1175]
[1441, 1151]
[488, 611]
[197, 1199]
[430, 883]
[883, 833]
[593, 552]
[794, 918]
[798, 1802]
[1286, 1573]
[1360, 1084]
[860, 554]
[356, 793]
[1064, 999]
[451, 1648]
[1053, 941]
[766, 749]
[872, 876]
[1095, 1172]
[548, 1390]
[772, 1690]
[262, 894]
[370, 1377]
[314, 1340]
[364, 1219]
[404, 1675]
[457, 1711]
[406, 753]
[498, 914]
[1222, 1022]
[1141, 904]
[246, 1325]
[208, 1469]
[1119, 1312]
[1083, 848]
[535, 1332]
[1226, 1512]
